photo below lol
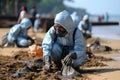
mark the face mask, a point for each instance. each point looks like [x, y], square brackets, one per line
[60, 33]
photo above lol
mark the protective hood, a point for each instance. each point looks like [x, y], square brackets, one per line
[25, 23]
[37, 15]
[76, 17]
[86, 17]
[64, 19]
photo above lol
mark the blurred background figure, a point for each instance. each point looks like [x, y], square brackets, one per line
[86, 27]
[106, 17]
[100, 18]
[33, 13]
[18, 34]
[76, 18]
[37, 23]
[22, 13]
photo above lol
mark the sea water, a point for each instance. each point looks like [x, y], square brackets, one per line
[108, 31]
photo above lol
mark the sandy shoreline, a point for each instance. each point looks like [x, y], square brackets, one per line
[110, 72]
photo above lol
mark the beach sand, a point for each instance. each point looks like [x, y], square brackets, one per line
[109, 72]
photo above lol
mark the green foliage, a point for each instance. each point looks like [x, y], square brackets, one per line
[51, 5]
[43, 6]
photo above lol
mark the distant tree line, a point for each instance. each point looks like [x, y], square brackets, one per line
[10, 7]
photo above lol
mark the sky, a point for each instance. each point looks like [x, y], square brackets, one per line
[97, 6]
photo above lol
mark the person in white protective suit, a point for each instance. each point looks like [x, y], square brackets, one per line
[18, 36]
[85, 26]
[37, 23]
[63, 41]
[75, 18]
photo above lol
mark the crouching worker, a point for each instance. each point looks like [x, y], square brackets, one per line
[86, 27]
[63, 41]
[18, 34]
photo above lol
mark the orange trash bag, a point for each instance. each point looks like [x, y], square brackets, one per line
[36, 50]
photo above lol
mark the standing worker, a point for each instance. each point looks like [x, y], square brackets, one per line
[33, 13]
[22, 14]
